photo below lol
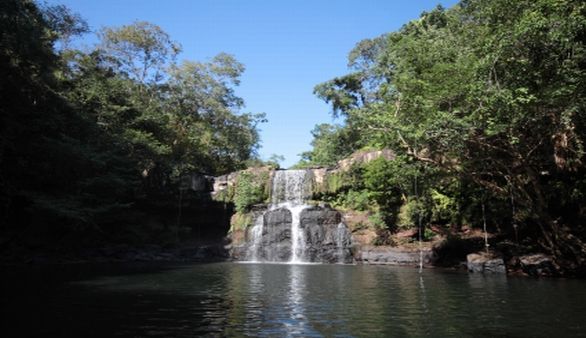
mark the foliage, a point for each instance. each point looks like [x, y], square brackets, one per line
[444, 209]
[331, 143]
[241, 220]
[377, 221]
[275, 161]
[140, 51]
[488, 94]
[355, 200]
[96, 140]
[408, 215]
[251, 189]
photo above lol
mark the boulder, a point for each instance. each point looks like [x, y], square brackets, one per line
[485, 263]
[538, 265]
[364, 156]
[369, 254]
[276, 235]
[327, 239]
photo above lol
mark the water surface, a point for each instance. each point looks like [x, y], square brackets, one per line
[276, 300]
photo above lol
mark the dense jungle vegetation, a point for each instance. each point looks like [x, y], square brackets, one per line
[484, 105]
[94, 141]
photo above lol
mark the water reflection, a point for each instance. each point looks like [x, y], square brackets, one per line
[295, 320]
[424, 307]
[275, 300]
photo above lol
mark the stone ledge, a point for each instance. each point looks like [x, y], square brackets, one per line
[391, 256]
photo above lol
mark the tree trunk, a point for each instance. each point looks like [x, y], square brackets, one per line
[568, 250]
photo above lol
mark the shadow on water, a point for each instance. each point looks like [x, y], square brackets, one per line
[224, 299]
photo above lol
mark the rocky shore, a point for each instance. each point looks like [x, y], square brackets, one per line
[118, 253]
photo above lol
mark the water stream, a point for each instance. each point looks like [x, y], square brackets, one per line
[290, 191]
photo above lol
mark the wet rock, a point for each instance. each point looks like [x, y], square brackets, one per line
[391, 256]
[276, 236]
[538, 265]
[484, 263]
[319, 216]
[237, 252]
[278, 217]
[327, 239]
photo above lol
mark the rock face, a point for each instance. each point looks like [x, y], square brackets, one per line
[362, 156]
[538, 265]
[275, 245]
[391, 256]
[483, 263]
[326, 238]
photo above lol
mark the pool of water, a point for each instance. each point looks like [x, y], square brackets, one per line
[276, 300]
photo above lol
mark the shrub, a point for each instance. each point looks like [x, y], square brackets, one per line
[241, 221]
[444, 208]
[377, 221]
[357, 200]
[251, 189]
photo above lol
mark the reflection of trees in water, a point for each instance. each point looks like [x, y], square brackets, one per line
[332, 300]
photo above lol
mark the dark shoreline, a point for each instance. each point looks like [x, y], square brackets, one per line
[213, 253]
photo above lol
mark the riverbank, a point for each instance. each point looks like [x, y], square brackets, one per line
[208, 252]
[535, 265]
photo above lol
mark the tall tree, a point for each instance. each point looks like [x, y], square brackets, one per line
[141, 50]
[490, 92]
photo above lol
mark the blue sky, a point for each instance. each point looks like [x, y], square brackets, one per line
[287, 47]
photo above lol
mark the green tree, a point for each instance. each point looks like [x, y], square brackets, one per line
[210, 133]
[491, 94]
[142, 50]
[55, 173]
[330, 144]
[90, 142]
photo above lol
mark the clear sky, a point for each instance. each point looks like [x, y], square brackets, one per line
[287, 46]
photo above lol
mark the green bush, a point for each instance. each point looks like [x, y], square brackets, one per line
[241, 221]
[357, 200]
[428, 234]
[377, 221]
[444, 208]
[251, 189]
[334, 182]
[407, 216]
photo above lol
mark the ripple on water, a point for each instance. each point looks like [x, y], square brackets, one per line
[292, 300]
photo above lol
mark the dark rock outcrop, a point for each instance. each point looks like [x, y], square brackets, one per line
[369, 254]
[276, 236]
[538, 265]
[327, 239]
[483, 263]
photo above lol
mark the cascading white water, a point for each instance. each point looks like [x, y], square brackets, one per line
[297, 236]
[256, 234]
[290, 189]
[290, 230]
[340, 235]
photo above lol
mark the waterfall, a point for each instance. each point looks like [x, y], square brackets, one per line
[341, 234]
[290, 191]
[256, 239]
[297, 236]
[290, 230]
[290, 188]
